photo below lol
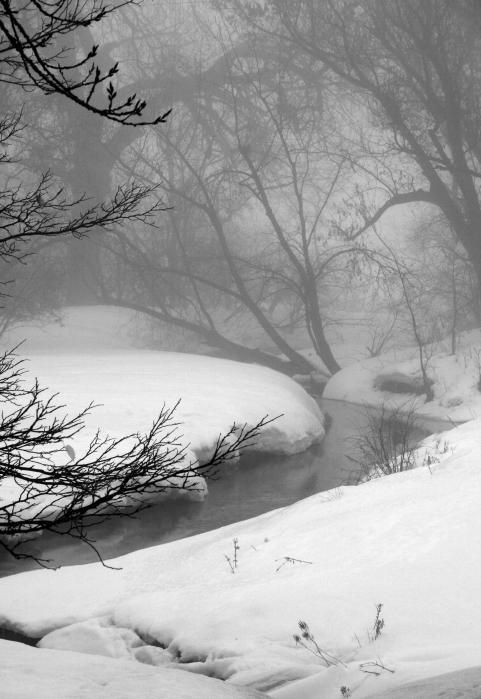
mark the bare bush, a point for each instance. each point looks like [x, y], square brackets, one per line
[386, 443]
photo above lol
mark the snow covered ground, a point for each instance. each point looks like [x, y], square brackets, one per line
[456, 379]
[451, 685]
[27, 673]
[408, 541]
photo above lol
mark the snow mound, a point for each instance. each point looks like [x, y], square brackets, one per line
[91, 354]
[409, 541]
[29, 673]
[456, 380]
[130, 388]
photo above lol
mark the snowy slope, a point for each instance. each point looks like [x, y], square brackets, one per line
[409, 541]
[451, 685]
[28, 673]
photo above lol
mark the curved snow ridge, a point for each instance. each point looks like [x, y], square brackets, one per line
[130, 387]
[227, 660]
[29, 672]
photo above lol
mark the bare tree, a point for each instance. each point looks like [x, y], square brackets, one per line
[30, 291]
[415, 64]
[36, 52]
[251, 142]
[450, 288]
[412, 287]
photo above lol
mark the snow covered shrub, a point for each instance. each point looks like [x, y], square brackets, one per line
[386, 444]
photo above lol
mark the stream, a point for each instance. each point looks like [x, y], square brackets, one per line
[254, 485]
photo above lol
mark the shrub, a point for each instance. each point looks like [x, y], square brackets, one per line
[386, 444]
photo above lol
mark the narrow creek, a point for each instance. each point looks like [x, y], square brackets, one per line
[256, 484]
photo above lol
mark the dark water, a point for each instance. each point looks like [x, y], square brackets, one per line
[257, 484]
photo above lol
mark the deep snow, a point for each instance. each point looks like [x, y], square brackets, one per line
[131, 386]
[409, 541]
[27, 673]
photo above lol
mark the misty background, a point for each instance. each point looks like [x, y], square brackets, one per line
[318, 179]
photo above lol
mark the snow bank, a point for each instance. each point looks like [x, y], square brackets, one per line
[43, 674]
[90, 354]
[130, 388]
[456, 380]
[409, 541]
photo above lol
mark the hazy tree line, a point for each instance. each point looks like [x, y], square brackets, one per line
[297, 126]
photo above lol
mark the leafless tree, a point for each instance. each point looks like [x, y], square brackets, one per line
[415, 64]
[250, 143]
[37, 51]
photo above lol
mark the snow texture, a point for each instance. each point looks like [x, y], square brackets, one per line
[29, 673]
[130, 388]
[409, 541]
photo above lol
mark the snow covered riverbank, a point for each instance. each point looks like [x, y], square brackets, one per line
[131, 386]
[408, 541]
[91, 356]
[456, 380]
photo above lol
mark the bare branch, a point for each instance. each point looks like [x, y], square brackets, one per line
[48, 488]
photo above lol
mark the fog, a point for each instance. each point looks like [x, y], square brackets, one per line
[303, 191]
